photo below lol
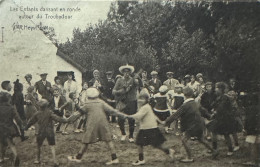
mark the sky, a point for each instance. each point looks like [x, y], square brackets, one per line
[90, 12]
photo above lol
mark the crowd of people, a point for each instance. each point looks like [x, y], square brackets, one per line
[200, 110]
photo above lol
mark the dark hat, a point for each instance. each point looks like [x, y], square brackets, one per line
[28, 76]
[42, 74]
[187, 91]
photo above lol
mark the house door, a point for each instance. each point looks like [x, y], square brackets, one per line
[63, 75]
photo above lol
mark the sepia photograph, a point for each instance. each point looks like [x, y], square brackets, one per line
[167, 83]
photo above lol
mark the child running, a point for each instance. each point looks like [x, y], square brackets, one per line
[44, 117]
[192, 124]
[149, 133]
[97, 127]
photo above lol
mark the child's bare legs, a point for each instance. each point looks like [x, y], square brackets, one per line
[65, 127]
[13, 149]
[53, 154]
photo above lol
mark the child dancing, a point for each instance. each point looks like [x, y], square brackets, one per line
[8, 130]
[97, 127]
[44, 117]
[191, 122]
[149, 133]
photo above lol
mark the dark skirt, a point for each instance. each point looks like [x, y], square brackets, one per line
[152, 137]
[162, 115]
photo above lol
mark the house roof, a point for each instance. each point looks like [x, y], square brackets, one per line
[70, 61]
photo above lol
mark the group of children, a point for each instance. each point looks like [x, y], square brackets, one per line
[219, 108]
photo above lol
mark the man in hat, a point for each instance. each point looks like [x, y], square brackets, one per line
[125, 92]
[155, 82]
[96, 81]
[43, 87]
[192, 124]
[170, 82]
[107, 92]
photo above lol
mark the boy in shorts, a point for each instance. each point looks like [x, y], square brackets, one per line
[44, 117]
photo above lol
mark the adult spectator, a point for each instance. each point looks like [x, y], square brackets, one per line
[70, 86]
[43, 87]
[155, 82]
[170, 82]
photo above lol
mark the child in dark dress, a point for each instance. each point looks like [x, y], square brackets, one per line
[161, 109]
[18, 102]
[149, 133]
[191, 123]
[8, 129]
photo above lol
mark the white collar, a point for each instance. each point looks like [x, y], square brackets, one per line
[187, 100]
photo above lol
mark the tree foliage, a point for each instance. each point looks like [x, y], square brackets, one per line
[219, 39]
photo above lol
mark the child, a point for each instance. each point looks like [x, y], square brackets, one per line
[58, 100]
[191, 123]
[44, 117]
[97, 128]
[207, 99]
[31, 103]
[82, 100]
[149, 134]
[177, 99]
[8, 129]
[70, 108]
[18, 102]
[161, 109]
[239, 124]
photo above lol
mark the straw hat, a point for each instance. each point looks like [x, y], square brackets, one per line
[131, 68]
[92, 92]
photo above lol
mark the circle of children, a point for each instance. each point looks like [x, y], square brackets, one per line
[201, 111]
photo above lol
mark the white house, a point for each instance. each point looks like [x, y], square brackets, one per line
[26, 51]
